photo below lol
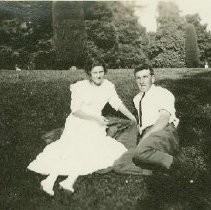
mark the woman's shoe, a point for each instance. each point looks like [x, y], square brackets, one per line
[47, 187]
[66, 185]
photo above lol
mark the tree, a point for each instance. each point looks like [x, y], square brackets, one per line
[113, 33]
[24, 35]
[69, 35]
[166, 46]
[101, 33]
[132, 39]
[191, 47]
[203, 37]
[56, 35]
[208, 53]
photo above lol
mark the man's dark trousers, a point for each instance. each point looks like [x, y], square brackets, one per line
[157, 150]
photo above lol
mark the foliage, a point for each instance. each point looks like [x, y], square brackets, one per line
[208, 53]
[116, 37]
[47, 38]
[203, 37]
[166, 46]
[7, 58]
[112, 32]
[101, 34]
[24, 34]
[129, 56]
[191, 47]
[131, 37]
[168, 59]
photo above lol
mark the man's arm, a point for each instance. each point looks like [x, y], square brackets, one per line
[161, 123]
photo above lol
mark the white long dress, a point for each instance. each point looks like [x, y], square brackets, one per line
[83, 147]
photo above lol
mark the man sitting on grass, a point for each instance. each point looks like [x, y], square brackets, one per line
[158, 148]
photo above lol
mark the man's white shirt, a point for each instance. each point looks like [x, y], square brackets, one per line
[155, 100]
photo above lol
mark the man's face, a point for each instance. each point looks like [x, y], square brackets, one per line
[97, 75]
[144, 80]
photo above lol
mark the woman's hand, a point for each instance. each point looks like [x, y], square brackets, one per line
[127, 113]
[133, 119]
[87, 116]
[102, 121]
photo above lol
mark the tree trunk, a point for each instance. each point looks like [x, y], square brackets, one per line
[69, 35]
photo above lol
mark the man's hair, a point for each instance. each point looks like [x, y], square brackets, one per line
[91, 62]
[144, 66]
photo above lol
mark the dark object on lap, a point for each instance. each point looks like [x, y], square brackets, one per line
[115, 127]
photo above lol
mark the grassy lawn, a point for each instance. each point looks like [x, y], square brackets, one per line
[34, 102]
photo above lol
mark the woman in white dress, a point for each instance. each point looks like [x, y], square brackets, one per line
[83, 146]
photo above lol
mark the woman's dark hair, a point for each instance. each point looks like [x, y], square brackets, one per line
[143, 67]
[91, 62]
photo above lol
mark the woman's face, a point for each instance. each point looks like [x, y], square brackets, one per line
[97, 75]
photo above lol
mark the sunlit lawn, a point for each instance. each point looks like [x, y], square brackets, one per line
[34, 102]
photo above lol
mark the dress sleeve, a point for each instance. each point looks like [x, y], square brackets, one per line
[76, 99]
[166, 102]
[114, 99]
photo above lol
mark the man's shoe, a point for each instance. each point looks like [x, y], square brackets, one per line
[183, 170]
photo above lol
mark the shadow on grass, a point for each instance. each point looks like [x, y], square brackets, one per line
[193, 105]
[29, 110]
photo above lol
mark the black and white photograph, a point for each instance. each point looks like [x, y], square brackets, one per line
[105, 105]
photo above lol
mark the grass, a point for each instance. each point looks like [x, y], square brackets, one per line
[34, 102]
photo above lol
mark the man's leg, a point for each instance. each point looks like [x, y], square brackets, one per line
[160, 151]
[126, 133]
[124, 164]
[157, 150]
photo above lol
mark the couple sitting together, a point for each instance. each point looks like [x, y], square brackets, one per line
[85, 146]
